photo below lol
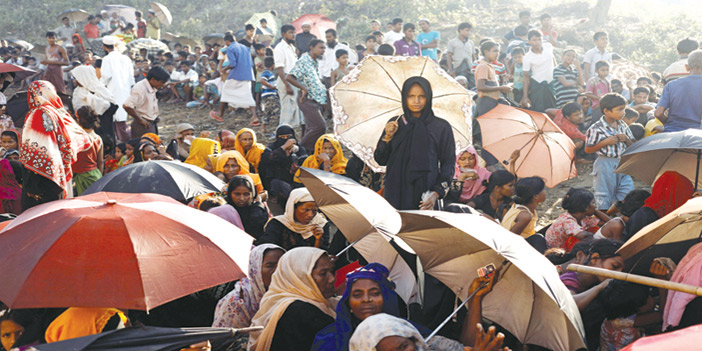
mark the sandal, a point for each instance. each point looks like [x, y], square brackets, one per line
[216, 117]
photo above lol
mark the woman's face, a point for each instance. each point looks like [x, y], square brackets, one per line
[466, 160]
[9, 333]
[8, 143]
[118, 153]
[231, 168]
[507, 190]
[269, 264]
[396, 343]
[615, 263]
[540, 197]
[305, 212]
[246, 140]
[149, 152]
[366, 298]
[416, 100]
[129, 151]
[241, 196]
[329, 149]
[323, 276]
[590, 210]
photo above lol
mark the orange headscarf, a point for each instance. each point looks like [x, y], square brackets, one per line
[253, 156]
[153, 137]
[243, 167]
[338, 162]
[80, 321]
[670, 191]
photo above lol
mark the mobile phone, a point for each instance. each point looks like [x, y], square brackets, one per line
[487, 271]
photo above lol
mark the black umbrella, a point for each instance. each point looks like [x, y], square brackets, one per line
[180, 181]
[147, 339]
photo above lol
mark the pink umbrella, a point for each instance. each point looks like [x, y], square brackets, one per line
[545, 150]
[319, 23]
[19, 71]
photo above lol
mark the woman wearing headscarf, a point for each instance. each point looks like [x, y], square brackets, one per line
[298, 303]
[243, 197]
[200, 149]
[327, 156]
[83, 321]
[418, 149]
[670, 191]
[247, 145]
[237, 308]
[90, 91]
[232, 163]
[300, 225]
[368, 292]
[469, 177]
[280, 163]
[51, 142]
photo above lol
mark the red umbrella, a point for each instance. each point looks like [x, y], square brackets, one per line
[319, 23]
[684, 339]
[19, 71]
[130, 251]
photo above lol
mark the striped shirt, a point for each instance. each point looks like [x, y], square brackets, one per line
[562, 93]
[601, 130]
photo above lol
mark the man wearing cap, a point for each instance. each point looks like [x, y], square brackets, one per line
[117, 73]
[153, 26]
[302, 40]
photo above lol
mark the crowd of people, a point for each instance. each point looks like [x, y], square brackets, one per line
[292, 288]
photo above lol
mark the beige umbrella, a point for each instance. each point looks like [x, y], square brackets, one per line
[670, 236]
[528, 299]
[162, 12]
[365, 99]
[366, 220]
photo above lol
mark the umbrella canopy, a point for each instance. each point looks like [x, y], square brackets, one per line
[689, 338]
[126, 13]
[319, 24]
[129, 251]
[179, 39]
[546, 151]
[19, 42]
[528, 298]
[19, 71]
[162, 12]
[152, 46]
[272, 21]
[144, 339]
[214, 38]
[74, 15]
[366, 219]
[652, 156]
[670, 236]
[365, 99]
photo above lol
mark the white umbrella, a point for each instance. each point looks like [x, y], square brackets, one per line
[162, 12]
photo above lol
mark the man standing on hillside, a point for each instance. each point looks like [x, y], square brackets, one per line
[428, 39]
[285, 58]
[117, 73]
[236, 91]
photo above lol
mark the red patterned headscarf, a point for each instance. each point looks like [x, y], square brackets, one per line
[670, 191]
[51, 138]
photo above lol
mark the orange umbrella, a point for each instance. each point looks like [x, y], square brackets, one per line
[130, 251]
[319, 24]
[683, 339]
[545, 150]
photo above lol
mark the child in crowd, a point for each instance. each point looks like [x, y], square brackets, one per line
[198, 93]
[9, 140]
[586, 105]
[598, 86]
[596, 54]
[641, 104]
[630, 116]
[342, 57]
[184, 83]
[567, 79]
[579, 221]
[609, 137]
[522, 216]
[568, 118]
[618, 87]
[88, 167]
[258, 64]
[520, 40]
[517, 73]
[269, 94]
[628, 308]
[487, 83]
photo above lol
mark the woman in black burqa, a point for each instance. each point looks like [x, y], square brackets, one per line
[418, 149]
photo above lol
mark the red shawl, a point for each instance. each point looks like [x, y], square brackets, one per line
[10, 190]
[670, 191]
[51, 137]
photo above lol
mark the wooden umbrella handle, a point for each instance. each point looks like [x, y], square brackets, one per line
[638, 279]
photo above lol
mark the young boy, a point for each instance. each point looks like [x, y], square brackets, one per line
[598, 86]
[567, 118]
[609, 137]
[517, 73]
[269, 94]
[198, 93]
[678, 69]
[186, 81]
[567, 79]
[407, 46]
[596, 54]
[342, 57]
[630, 116]
[641, 104]
[618, 87]
[258, 63]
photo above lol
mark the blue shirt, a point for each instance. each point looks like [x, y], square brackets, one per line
[239, 57]
[682, 98]
[270, 79]
[426, 38]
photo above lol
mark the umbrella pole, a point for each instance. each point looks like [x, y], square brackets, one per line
[352, 244]
[638, 279]
[455, 311]
[697, 170]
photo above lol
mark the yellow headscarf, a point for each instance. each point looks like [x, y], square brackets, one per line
[243, 167]
[153, 137]
[291, 281]
[338, 162]
[80, 321]
[253, 156]
[200, 149]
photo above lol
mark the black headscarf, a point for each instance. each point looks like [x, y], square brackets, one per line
[254, 215]
[282, 129]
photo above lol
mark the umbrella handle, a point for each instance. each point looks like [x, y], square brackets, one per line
[354, 243]
[638, 279]
[246, 330]
[484, 284]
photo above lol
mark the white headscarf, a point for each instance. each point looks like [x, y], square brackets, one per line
[86, 76]
[288, 219]
[374, 328]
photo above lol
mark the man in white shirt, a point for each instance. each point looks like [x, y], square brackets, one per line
[183, 82]
[141, 102]
[538, 65]
[65, 32]
[104, 23]
[117, 73]
[596, 54]
[328, 63]
[285, 57]
[395, 34]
